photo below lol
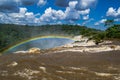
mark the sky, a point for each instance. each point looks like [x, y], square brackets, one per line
[91, 13]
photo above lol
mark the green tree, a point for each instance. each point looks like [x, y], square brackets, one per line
[113, 32]
[109, 22]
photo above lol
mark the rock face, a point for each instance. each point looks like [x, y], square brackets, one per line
[34, 51]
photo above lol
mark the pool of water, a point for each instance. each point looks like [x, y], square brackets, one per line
[44, 43]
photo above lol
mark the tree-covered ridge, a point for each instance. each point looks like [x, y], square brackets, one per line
[12, 34]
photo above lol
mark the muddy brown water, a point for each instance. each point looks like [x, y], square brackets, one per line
[61, 66]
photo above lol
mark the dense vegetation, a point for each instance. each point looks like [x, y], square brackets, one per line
[112, 33]
[12, 34]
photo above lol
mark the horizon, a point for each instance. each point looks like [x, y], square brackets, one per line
[88, 13]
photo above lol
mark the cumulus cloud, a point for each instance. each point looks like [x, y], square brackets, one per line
[86, 17]
[42, 2]
[8, 6]
[13, 5]
[71, 13]
[100, 22]
[85, 4]
[74, 11]
[72, 4]
[52, 15]
[113, 12]
[81, 4]
[84, 12]
[23, 17]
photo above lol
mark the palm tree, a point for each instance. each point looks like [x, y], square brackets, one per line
[109, 22]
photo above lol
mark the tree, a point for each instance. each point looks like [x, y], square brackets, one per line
[109, 22]
[113, 32]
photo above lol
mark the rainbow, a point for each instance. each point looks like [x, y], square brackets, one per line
[35, 38]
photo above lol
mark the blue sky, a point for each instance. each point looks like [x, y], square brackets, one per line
[91, 13]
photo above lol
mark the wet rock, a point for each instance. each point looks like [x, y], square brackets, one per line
[27, 73]
[4, 73]
[43, 69]
[13, 64]
[34, 51]
[17, 52]
[115, 47]
[117, 77]
[103, 74]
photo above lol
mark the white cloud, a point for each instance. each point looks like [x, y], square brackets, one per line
[11, 13]
[84, 12]
[115, 13]
[22, 18]
[42, 2]
[72, 4]
[29, 15]
[100, 22]
[21, 13]
[71, 14]
[81, 4]
[85, 4]
[10, 6]
[86, 17]
[23, 10]
[52, 15]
